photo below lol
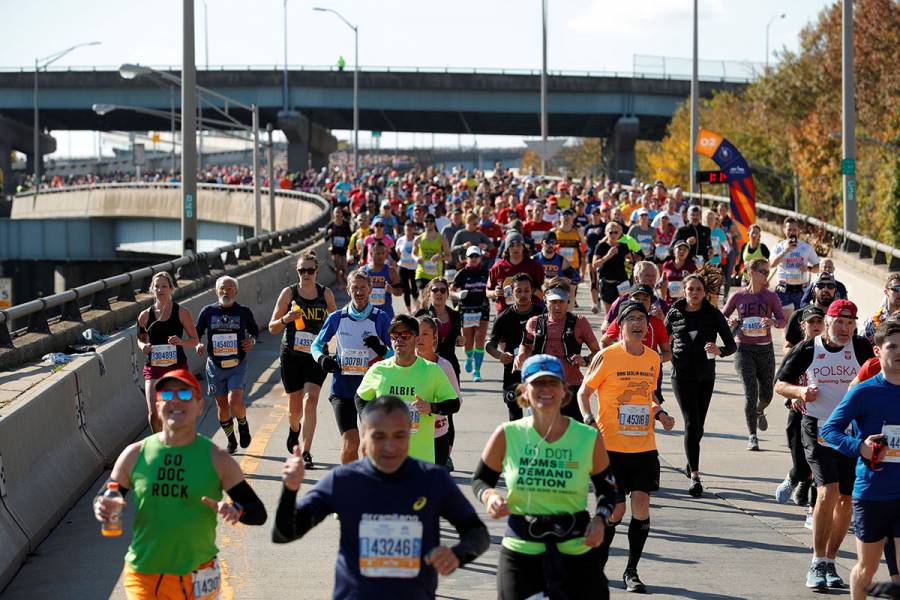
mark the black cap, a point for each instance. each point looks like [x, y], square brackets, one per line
[550, 237]
[629, 307]
[641, 288]
[811, 312]
[407, 321]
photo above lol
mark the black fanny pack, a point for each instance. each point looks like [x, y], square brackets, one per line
[549, 529]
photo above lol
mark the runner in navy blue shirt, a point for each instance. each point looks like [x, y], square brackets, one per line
[389, 506]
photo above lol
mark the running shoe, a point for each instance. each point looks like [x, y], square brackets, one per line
[469, 364]
[307, 460]
[293, 439]
[816, 577]
[595, 309]
[476, 377]
[244, 432]
[833, 579]
[800, 495]
[633, 583]
[784, 489]
[753, 443]
[449, 464]
[762, 423]
[696, 489]
[232, 444]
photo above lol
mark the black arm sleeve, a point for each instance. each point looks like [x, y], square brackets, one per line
[254, 511]
[291, 523]
[447, 407]
[484, 478]
[605, 488]
[730, 347]
[473, 540]
[659, 392]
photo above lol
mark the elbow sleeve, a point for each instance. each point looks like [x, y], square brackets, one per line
[447, 407]
[484, 478]
[254, 511]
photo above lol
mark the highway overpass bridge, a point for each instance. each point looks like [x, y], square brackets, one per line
[625, 108]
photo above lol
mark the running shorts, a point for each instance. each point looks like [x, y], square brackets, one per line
[608, 291]
[157, 586]
[634, 472]
[875, 520]
[298, 369]
[220, 381]
[344, 413]
[827, 464]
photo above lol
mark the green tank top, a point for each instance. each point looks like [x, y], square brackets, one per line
[432, 267]
[547, 478]
[174, 532]
[751, 254]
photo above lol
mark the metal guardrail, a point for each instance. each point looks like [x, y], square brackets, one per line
[96, 294]
[404, 69]
[221, 187]
[878, 253]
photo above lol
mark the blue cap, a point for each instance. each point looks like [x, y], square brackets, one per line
[540, 365]
[377, 220]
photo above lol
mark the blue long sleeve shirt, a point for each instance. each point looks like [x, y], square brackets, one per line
[872, 407]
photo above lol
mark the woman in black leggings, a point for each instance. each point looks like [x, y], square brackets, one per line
[406, 265]
[693, 324]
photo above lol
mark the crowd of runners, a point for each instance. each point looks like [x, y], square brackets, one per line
[490, 264]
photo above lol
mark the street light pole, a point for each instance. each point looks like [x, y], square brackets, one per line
[36, 140]
[769, 24]
[172, 112]
[848, 118]
[206, 56]
[543, 82]
[284, 94]
[257, 223]
[270, 165]
[188, 132]
[695, 91]
[355, 81]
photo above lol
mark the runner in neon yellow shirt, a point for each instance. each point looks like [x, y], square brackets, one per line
[423, 385]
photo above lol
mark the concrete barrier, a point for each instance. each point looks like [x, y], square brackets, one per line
[48, 462]
[58, 437]
[113, 403]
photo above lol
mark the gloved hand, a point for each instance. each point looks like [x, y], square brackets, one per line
[374, 344]
[329, 364]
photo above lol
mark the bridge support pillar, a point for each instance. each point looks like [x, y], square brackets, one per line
[309, 144]
[625, 135]
[8, 186]
[18, 136]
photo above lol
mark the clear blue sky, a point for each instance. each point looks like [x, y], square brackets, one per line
[589, 35]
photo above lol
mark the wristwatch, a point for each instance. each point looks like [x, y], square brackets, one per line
[589, 419]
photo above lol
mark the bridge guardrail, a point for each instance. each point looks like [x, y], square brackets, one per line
[220, 187]
[879, 253]
[96, 295]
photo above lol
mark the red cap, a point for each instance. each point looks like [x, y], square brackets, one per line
[182, 375]
[842, 308]
[551, 200]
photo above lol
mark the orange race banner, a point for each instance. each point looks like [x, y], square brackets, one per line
[738, 175]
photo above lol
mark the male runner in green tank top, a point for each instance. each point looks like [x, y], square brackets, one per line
[178, 477]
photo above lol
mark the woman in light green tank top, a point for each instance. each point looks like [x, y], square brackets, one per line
[548, 462]
[432, 250]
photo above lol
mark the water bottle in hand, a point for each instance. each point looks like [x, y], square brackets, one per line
[113, 526]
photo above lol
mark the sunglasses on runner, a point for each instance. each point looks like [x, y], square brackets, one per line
[831, 286]
[439, 290]
[169, 395]
[305, 271]
[895, 288]
[762, 272]
[401, 335]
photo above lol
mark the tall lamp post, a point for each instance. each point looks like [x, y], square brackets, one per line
[355, 82]
[544, 125]
[848, 118]
[695, 92]
[188, 134]
[769, 24]
[43, 63]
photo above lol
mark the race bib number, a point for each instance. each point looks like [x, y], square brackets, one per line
[508, 290]
[377, 296]
[163, 355]
[646, 248]
[206, 582]
[567, 253]
[538, 236]
[792, 275]
[390, 548]
[753, 327]
[623, 287]
[471, 319]
[634, 419]
[661, 252]
[892, 437]
[407, 261]
[430, 267]
[338, 241]
[224, 344]
[415, 419]
[354, 362]
[303, 341]
[676, 289]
